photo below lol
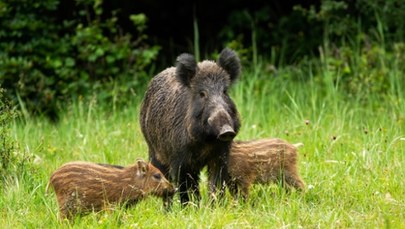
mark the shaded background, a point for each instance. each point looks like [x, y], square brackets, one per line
[53, 52]
[171, 22]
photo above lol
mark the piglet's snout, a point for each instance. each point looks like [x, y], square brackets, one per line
[169, 189]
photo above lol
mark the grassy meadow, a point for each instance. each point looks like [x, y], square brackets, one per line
[352, 161]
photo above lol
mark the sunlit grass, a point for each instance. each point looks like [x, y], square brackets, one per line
[352, 161]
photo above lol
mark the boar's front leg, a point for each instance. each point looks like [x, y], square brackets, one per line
[188, 185]
[167, 198]
[218, 176]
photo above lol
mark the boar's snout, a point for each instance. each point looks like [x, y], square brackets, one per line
[220, 121]
[226, 134]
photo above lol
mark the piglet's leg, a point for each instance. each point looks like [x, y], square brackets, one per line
[293, 180]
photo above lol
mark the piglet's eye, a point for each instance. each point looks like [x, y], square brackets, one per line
[157, 176]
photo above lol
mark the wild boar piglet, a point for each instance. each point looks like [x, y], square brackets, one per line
[262, 161]
[82, 187]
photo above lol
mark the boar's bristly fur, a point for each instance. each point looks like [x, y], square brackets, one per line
[189, 120]
[185, 68]
[262, 161]
[82, 187]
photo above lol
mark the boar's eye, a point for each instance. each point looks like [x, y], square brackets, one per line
[203, 94]
[157, 176]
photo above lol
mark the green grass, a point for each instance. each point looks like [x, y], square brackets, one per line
[353, 160]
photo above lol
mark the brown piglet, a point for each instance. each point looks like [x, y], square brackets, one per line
[262, 161]
[82, 187]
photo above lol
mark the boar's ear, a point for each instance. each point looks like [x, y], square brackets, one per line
[186, 68]
[142, 168]
[229, 61]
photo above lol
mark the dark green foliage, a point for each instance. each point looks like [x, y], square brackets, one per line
[53, 51]
[30, 49]
[46, 60]
[368, 71]
[387, 14]
[286, 34]
[362, 47]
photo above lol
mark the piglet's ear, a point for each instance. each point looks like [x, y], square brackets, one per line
[142, 168]
[186, 68]
[229, 61]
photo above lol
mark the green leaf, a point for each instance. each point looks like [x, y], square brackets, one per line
[138, 19]
[56, 63]
[69, 62]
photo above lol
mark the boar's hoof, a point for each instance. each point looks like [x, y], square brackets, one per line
[226, 134]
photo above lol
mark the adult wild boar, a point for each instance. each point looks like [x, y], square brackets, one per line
[189, 120]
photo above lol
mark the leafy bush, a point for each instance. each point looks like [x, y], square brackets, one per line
[6, 144]
[12, 161]
[370, 70]
[47, 60]
[361, 47]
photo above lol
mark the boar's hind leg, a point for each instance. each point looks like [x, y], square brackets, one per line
[188, 185]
